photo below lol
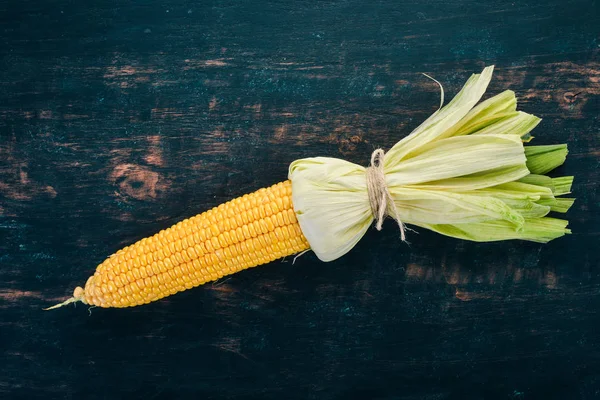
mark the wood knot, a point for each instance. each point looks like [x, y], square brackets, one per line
[571, 97]
[137, 181]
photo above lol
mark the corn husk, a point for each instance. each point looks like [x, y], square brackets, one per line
[464, 173]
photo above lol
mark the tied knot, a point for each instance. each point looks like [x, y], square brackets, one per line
[382, 203]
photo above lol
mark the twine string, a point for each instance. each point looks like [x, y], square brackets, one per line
[382, 203]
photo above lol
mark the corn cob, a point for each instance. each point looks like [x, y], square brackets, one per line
[463, 173]
[251, 230]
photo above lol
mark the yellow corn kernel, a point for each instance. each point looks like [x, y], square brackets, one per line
[248, 231]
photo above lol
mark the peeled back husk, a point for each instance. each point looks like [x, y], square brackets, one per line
[464, 173]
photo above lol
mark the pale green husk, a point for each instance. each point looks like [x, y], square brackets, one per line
[464, 173]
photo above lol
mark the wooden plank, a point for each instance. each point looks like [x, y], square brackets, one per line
[118, 120]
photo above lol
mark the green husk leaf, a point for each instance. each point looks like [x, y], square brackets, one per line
[488, 112]
[561, 204]
[559, 186]
[517, 191]
[478, 180]
[517, 123]
[528, 209]
[562, 185]
[455, 157]
[432, 206]
[538, 180]
[540, 230]
[435, 126]
[330, 195]
[543, 159]
[464, 173]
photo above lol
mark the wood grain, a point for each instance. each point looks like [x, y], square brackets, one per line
[118, 119]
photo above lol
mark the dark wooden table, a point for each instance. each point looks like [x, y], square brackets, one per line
[120, 118]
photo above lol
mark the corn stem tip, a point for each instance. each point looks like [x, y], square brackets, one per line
[78, 295]
[64, 303]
